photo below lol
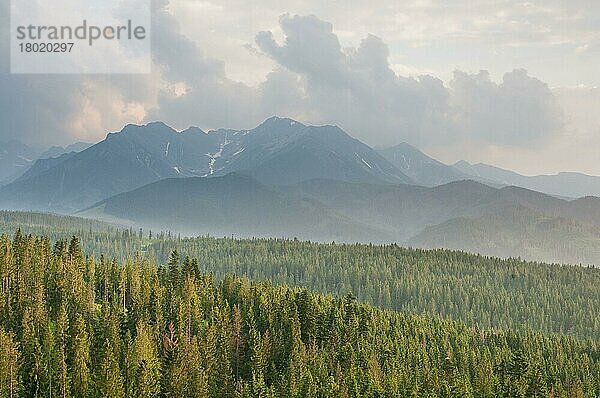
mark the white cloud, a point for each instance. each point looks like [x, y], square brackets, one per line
[520, 111]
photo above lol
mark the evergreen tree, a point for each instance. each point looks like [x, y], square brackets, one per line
[10, 382]
[81, 377]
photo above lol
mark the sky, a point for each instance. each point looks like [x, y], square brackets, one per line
[504, 82]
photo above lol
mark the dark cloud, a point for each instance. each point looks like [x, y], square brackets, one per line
[210, 99]
[310, 48]
[60, 109]
[30, 107]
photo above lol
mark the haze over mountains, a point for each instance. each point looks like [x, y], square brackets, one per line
[15, 159]
[566, 184]
[504, 222]
[284, 178]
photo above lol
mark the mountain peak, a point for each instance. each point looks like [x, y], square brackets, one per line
[149, 129]
[405, 146]
[462, 163]
[155, 125]
[420, 167]
[408, 153]
[276, 121]
[193, 130]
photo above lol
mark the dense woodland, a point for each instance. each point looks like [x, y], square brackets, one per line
[79, 326]
[486, 292]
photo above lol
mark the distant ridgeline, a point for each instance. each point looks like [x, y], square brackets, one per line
[72, 326]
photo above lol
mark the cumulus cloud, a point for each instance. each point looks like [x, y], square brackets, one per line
[357, 88]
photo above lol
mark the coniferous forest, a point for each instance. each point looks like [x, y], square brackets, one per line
[84, 326]
[122, 313]
[490, 293]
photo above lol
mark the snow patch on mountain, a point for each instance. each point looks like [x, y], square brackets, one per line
[214, 156]
[238, 152]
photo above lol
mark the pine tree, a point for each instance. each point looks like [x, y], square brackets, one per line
[188, 268]
[237, 341]
[173, 365]
[196, 379]
[62, 334]
[33, 369]
[174, 274]
[297, 366]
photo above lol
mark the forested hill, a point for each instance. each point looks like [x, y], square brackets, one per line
[486, 292]
[97, 237]
[41, 223]
[72, 326]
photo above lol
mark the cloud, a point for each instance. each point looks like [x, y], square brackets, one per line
[520, 111]
[357, 88]
[208, 98]
[354, 87]
[60, 109]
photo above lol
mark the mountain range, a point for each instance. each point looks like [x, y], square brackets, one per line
[284, 178]
[565, 184]
[279, 151]
[505, 222]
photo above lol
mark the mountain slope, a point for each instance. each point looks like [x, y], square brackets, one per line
[136, 156]
[420, 167]
[56, 151]
[566, 184]
[463, 215]
[282, 151]
[232, 204]
[244, 206]
[516, 231]
[15, 159]
[407, 210]
[402, 210]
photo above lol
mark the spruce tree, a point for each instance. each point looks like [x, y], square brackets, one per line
[81, 361]
[10, 381]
